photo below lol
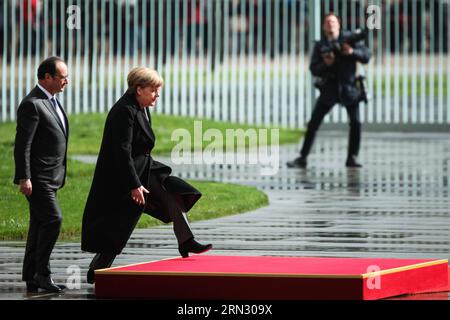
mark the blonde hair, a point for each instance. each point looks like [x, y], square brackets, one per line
[143, 77]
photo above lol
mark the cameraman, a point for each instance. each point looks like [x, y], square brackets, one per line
[337, 68]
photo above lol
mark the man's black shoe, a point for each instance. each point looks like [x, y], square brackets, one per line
[32, 286]
[46, 283]
[192, 246]
[299, 162]
[352, 163]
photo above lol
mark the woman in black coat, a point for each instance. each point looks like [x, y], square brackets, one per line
[128, 182]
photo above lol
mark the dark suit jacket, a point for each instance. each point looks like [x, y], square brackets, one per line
[340, 86]
[40, 149]
[125, 163]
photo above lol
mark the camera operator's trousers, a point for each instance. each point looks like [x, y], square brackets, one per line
[319, 112]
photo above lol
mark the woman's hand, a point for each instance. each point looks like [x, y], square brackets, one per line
[138, 195]
[26, 187]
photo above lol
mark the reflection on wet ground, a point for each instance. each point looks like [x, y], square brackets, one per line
[397, 205]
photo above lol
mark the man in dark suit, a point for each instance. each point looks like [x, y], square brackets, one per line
[338, 71]
[40, 153]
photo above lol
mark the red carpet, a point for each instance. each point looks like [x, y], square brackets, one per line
[286, 278]
[441, 293]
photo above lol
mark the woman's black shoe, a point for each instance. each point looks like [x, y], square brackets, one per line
[90, 278]
[352, 163]
[192, 246]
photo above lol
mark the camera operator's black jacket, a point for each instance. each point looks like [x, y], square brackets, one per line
[339, 85]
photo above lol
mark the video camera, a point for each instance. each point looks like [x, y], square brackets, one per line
[335, 46]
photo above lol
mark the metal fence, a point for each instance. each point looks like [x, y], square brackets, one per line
[241, 61]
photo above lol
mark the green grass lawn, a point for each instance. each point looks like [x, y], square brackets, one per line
[87, 131]
[219, 199]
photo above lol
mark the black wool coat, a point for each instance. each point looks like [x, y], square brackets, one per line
[125, 163]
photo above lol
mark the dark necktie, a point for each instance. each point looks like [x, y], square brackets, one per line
[58, 111]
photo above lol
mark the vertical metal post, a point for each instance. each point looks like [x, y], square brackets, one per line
[93, 67]
[152, 33]
[251, 58]
[200, 64]
[267, 62]
[176, 60]
[387, 107]
[102, 77]
[431, 92]
[259, 63]
[68, 94]
[234, 53]
[37, 58]
[29, 72]
[396, 63]
[448, 66]
[111, 60]
[218, 67]
[407, 74]
[4, 60]
[379, 72]
[168, 75]
[12, 73]
[192, 60]
[184, 61]
[414, 75]
[293, 69]
[86, 77]
[276, 88]
[144, 28]
[315, 31]
[284, 65]
[136, 31]
[241, 87]
[301, 98]
[440, 108]
[21, 52]
[45, 27]
[225, 69]
[423, 65]
[78, 67]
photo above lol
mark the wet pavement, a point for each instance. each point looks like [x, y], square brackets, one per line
[396, 206]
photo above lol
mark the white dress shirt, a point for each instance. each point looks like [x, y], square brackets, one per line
[57, 106]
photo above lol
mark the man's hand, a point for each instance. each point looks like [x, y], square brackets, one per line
[347, 49]
[138, 195]
[25, 187]
[329, 58]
